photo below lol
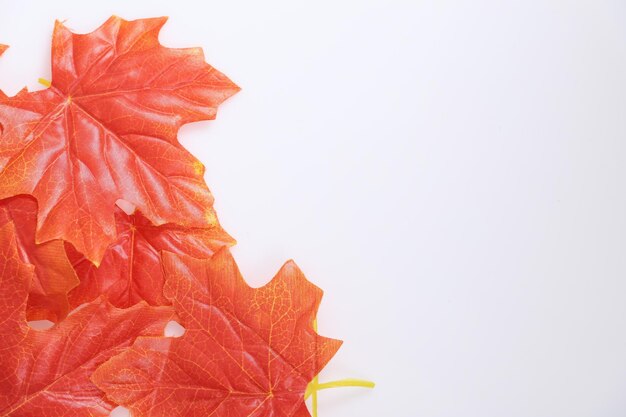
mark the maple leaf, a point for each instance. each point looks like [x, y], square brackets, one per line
[245, 352]
[54, 276]
[47, 372]
[106, 129]
[131, 267]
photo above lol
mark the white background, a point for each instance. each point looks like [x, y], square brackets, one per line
[452, 174]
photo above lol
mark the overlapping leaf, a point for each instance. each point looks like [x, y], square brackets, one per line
[246, 352]
[47, 372]
[54, 276]
[107, 129]
[131, 269]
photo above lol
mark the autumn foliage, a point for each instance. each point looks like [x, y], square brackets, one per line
[102, 136]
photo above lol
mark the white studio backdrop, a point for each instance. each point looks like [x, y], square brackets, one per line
[451, 173]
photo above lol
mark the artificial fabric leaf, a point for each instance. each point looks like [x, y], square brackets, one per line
[15, 278]
[46, 373]
[106, 130]
[54, 276]
[131, 268]
[245, 352]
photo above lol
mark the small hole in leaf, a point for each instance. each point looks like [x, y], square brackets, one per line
[126, 206]
[40, 324]
[174, 329]
[119, 411]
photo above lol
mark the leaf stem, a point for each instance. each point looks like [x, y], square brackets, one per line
[315, 386]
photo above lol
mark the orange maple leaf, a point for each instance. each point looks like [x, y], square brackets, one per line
[47, 372]
[131, 269]
[106, 129]
[246, 351]
[54, 275]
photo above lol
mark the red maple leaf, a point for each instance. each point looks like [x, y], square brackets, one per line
[106, 130]
[246, 351]
[47, 372]
[54, 276]
[131, 268]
